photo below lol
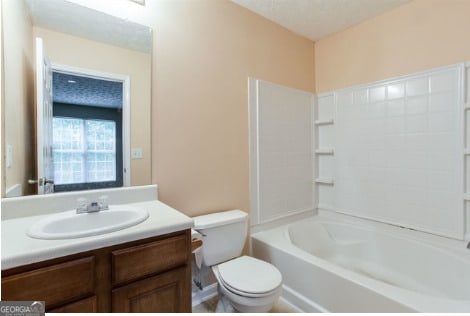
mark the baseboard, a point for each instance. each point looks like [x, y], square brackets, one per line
[205, 294]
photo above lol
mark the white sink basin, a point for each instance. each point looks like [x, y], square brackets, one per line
[69, 224]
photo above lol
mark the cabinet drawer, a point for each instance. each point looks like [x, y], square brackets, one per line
[135, 262]
[54, 284]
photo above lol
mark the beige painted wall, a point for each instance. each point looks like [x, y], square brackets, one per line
[18, 94]
[417, 36]
[204, 52]
[78, 52]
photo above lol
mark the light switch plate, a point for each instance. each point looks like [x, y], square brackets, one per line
[136, 153]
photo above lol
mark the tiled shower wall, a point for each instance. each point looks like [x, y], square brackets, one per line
[281, 146]
[394, 151]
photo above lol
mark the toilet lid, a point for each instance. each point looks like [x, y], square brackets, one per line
[250, 275]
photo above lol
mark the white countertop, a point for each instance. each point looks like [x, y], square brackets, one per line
[19, 249]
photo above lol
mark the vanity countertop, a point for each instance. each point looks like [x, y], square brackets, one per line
[19, 249]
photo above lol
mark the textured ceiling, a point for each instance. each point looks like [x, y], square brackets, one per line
[86, 91]
[66, 17]
[316, 19]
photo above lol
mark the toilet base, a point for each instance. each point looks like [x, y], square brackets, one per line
[224, 305]
[227, 305]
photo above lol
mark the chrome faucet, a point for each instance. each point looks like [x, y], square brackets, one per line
[93, 206]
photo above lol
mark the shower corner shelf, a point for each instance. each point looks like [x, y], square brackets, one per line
[325, 181]
[466, 151]
[324, 122]
[466, 197]
[325, 151]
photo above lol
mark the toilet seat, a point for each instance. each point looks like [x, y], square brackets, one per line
[249, 277]
[246, 294]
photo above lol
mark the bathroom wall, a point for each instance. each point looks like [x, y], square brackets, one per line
[417, 36]
[78, 52]
[204, 51]
[19, 94]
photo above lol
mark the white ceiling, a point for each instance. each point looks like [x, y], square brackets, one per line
[313, 19]
[67, 17]
[316, 19]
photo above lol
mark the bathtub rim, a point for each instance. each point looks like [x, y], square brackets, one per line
[278, 238]
[383, 227]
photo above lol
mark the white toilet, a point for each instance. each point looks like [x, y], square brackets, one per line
[251, 285]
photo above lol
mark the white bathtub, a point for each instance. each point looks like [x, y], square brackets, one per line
[341, 265]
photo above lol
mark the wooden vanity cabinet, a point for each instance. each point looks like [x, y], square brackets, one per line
[150, 275]
[160, 294]
[87, 305]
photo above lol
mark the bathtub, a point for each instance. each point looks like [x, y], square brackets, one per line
[337, 264]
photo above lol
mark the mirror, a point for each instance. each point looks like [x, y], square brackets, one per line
[75, 37]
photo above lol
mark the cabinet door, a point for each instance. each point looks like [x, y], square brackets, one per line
[87, 305]
[55, 284]
[165, 293]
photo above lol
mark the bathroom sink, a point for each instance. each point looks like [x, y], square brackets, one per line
[69, 224]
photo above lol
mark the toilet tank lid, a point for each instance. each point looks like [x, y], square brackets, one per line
[219, 219]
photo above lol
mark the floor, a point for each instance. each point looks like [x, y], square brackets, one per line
[210, 305]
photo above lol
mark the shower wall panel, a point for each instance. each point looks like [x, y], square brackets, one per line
[399, 151]
[281, 151]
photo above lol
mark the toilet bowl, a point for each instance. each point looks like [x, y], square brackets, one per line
[249, 284]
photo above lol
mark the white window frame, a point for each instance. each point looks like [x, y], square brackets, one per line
[84, 151]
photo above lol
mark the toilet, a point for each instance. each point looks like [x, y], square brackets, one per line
[249, 284]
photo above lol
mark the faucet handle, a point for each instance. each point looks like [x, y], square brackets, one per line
[81, 205]
[103, 200]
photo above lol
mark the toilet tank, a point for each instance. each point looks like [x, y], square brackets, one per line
[223, 235]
